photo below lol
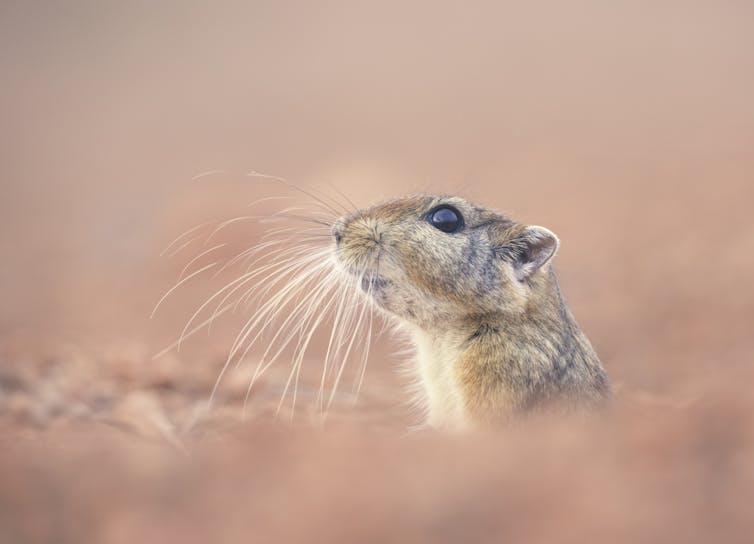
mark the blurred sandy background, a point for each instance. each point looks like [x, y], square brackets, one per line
[626, 127]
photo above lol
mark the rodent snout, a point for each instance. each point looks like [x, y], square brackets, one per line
[337, 230]
[356, 231]
[357, 241]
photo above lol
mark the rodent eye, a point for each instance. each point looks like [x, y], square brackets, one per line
[446, 219]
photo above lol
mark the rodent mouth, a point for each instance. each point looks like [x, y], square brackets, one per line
[361, 264]
[373, 285]
[361, 268]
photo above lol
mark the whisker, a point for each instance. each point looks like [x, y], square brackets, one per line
[336, 327]
[308, 210]
[304, 219]
[182, 236]
[299, 328]
[250, 252]
[262, 314]
[284, 267]
[353, 207]
[267, 199]
[295, 262]
[209, 173]
[183, 246]
[289, 287]
[311, 299]
[271, 304]
[295, 188]
[345, 357]
[367, 346]
[202, 254]
[177, 285]
[263, 218]
[186, 333]
[226, 224]
[329, 280]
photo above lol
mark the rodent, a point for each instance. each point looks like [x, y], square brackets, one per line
[477, 293]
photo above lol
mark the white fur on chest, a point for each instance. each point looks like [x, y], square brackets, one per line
[436, 357]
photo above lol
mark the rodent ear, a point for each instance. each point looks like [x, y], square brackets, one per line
[531, 249]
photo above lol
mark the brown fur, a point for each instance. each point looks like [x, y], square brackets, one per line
[494, 337]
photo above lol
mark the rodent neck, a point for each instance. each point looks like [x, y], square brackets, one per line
[482, 366]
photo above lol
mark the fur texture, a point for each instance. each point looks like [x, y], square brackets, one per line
[492, 333]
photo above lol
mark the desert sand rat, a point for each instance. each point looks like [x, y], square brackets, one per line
[476, 292]
[473, 289]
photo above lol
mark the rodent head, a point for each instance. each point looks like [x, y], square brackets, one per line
[428, 259]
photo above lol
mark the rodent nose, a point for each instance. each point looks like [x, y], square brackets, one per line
[337, 231]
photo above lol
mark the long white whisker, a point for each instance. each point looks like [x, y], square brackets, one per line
[310, 300]
[189, 334]
[365, 354]
[345, 357]
[202, 254]
[281, 270]
[183, 246]
[269, 306]
[279, 267]
[300, 327]
[247, 254]
[209, 173]
[296, 188]
[177, 285]
[290, 286]
[304, 343]
[182, 236]
[336, 328]
[218, 311]
[243, 336]
[267, 199]
[226, 224]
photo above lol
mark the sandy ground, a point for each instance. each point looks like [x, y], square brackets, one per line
[626, 129]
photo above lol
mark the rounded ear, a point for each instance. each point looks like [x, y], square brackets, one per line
[531, 250]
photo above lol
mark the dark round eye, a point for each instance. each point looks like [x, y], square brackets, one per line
[446, 219]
